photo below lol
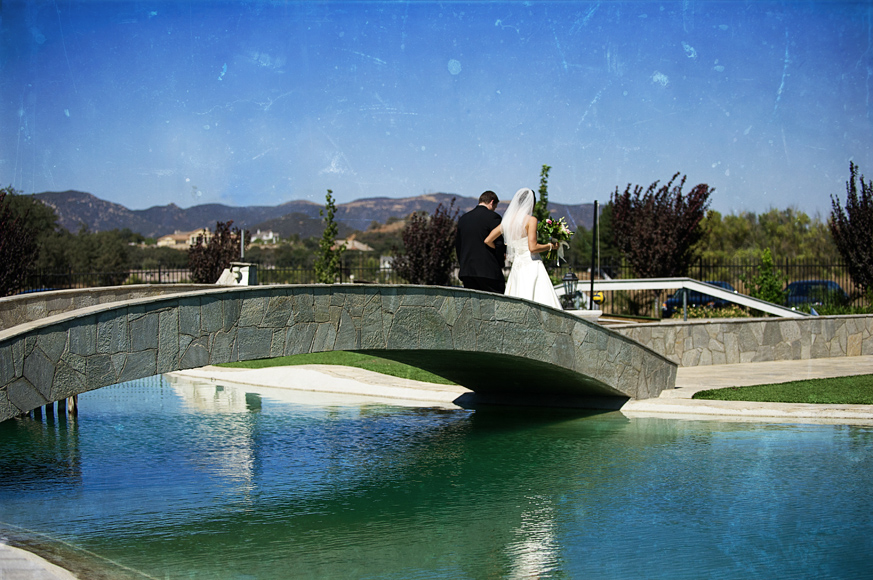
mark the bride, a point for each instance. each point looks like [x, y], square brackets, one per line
[528, 277]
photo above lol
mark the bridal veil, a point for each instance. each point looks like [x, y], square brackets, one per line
[520, 208]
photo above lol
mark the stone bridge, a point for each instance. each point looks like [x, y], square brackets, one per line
[500, 347]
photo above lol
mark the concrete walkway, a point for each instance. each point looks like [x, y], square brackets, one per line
[328, 380]
[18, 564]
[690, 380]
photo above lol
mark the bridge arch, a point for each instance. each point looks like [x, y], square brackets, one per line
[499, 345]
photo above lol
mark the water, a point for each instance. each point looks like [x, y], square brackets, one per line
[156, 480]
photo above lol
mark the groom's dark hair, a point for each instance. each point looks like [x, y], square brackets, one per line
[488, 197]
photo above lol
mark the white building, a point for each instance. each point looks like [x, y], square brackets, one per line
[267, 237]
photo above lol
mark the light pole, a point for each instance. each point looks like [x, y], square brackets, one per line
[570, 281]
[593, 256]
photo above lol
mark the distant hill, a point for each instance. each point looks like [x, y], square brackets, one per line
[76, 208]
[300, 224]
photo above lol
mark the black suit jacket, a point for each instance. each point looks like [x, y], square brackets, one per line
[477, 259]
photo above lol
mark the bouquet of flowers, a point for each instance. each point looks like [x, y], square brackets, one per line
[554, 230]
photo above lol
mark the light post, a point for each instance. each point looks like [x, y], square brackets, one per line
[570, 281]
[594, 240]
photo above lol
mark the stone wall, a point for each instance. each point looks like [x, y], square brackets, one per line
[742, 340]
[24, 308]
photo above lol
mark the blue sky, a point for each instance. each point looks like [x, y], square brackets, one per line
[258, 103]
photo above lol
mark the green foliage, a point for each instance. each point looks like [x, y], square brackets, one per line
[429, 245]
[541, 209]
[152, 257]
[837, 309]
[208, 260]
[852, 229]
[734, 311]
[656, 229]
[52, 243]
[103, 252]
[110, 254]
[329, 261]
[768, 282]
[38, 217]
[789, 233]
[17, 244]
[297, 254]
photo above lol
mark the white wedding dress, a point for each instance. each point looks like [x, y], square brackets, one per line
[528, 277]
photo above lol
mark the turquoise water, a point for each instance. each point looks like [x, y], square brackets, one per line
[156, 480]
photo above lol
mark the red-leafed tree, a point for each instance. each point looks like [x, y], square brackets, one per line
[207, 260]
[852, 229]
[428, 243]
[656, 229]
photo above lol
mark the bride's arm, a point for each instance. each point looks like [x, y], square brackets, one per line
[495, 233]
[533, 246]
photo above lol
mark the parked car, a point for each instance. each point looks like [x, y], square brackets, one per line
[814, 292]
[695, 298]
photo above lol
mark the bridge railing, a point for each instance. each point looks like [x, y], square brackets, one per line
[735, 272]
[674, 284]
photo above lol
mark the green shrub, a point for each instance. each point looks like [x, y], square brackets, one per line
[835, 309]
[734, 311]
[768, 283]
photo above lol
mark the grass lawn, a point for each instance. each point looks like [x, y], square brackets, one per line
[854, 390]
[348, 359]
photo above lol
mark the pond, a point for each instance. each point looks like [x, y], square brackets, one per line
[167, 479]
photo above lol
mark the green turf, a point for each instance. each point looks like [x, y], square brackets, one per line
[853, 390]
[348, 359]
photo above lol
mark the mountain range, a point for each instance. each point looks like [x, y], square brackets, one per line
[76, 209]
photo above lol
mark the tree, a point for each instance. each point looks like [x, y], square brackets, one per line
[789, 233]
[767, 283]
[104, 253]
[153, 257]
[18, 247]
[657, 229]
[207, 260]
[429, 243]
[52, 241]
[852, 229]
[541, 209]
[329, 261]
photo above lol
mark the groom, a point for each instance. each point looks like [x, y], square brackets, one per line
[481, 267]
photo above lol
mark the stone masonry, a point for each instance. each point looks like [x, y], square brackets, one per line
[742, 340]
[23, 308]
[59, 356]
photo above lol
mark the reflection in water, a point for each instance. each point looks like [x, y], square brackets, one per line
[49, 449]
[536, 550]
[204, 481]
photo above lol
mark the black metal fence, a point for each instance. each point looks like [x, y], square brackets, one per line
[348, 274]
[639, 303]
[738, 273]
[39, 281]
